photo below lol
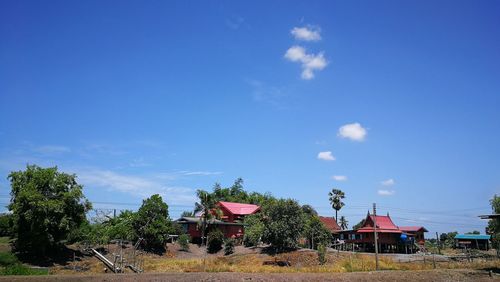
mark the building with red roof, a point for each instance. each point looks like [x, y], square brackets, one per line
[230, 223]
[330, 224]
[391, 238]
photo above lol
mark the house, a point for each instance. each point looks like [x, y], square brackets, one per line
[330, 224]
[473, 241]
[230, 223]
[391, 238]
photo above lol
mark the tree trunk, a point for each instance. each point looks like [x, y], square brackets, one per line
[336, 216]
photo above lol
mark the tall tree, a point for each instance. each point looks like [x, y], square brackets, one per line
[207, 205]
[494, 224]
[47, 205]
[344, 224]
[335, 197]
[153, 224]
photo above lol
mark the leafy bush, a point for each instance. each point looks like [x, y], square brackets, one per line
[321, 254]
[7, 259]
[229, 246]
[215, 239]
[253, 230]
[316, 232]
[184, 240]
[284, 223]
[5, 225]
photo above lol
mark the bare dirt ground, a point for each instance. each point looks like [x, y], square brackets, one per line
[425, 275]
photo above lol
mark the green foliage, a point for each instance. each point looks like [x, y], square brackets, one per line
[215, 239]
[335, 197]
[184, 240]
[229, 246]
[309, 210]
[343, 223]
[321, 254]
[7, 259]
[494, 224]
[448, 239]
[475, 232]
[153, 224]
[254, 228]
[284, 223]
[316, 232]
[187, 214]
[5, 224]
[207, 205]
[46, 206]
[19, 269]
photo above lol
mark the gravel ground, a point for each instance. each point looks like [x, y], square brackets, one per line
[435, 275]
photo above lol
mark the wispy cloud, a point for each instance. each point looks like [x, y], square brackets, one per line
[267, 94]
[309, 62]
[339, 177]
[309, 33]
[388, 182]
[201, 173]
[234, 22]
[138, 186]
[51, 149]
[353, 131]
[326, 156]
[386, 192]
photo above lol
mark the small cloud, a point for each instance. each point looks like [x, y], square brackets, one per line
[234, 22]
[353, 131]
[267, 94]
[326, 156]
[201, 173]
[388, 182]
[386, 192]
[309, 62]
[51, 149]
[340, 177]
[306, 33]
[139, 162]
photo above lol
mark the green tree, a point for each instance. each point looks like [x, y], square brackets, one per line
[215, 239]
[494, 224]
[284, 223]
[359, 224]
[229, 246]
[184, 240]
[47, 205]
[254, 229]
[153, 224]
[309, 210]
[344, 224]
[316, 232]
[335, 197]
[207, 205]
[187, 214]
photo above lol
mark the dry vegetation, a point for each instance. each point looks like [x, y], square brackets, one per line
[254, 261]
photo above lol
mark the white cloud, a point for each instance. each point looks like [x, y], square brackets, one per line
[353, 131]
[309, 62]
[306, 33]
[326, 156]
[388, 182]
[340, 177]
[201, 173]
[135, 185]
[386, 192]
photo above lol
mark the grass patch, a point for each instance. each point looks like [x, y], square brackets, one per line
[4, 240]
[10, 265]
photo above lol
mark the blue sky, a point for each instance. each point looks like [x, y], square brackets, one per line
[394, 102]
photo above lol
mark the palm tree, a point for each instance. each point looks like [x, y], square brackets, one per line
[336, 197]
[209, 211]
[343, 223]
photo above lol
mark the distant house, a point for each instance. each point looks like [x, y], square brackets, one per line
[230, 223]
[473, 241]
[391, 238]
[330, 224]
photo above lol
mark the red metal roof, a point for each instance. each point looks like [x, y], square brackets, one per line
[412, 228]
[330, 223]
[240, 209]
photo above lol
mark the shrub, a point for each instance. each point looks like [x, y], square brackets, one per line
[214, 241]
[19, 269]
[229, 246]
[253, 230]
[7, 259]
[321, 254]
[184, 240]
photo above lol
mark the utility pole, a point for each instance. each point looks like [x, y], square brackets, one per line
[375, 234]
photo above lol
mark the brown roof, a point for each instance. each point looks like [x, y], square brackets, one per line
[330, 223]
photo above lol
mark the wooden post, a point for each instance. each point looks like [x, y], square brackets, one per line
[438, 243]
[375, 234]
[433, 261]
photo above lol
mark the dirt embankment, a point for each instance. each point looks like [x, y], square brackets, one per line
[426, 275]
